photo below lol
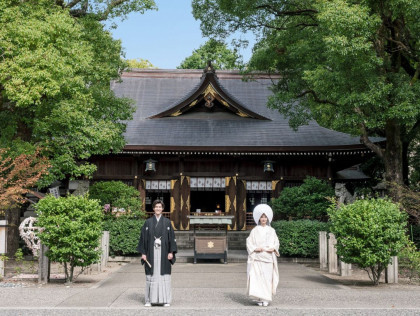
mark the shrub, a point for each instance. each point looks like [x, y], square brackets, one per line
[306, 201]
[124, 234]
[299, 238]
[71, 230]
[414, 232]
[409, 261]
[124, 228]
[117, 194]
[368, 233]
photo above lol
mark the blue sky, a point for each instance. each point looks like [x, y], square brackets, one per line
[164, 37]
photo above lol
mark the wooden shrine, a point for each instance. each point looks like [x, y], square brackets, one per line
[206, 141]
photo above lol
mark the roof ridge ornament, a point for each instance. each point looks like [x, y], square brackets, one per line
[209, 69]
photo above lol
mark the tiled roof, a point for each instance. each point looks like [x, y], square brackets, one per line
[155, 91]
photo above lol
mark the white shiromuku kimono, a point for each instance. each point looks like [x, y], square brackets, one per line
[262, 269]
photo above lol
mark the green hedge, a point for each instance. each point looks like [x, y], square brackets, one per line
[124, 234]
[414, 231]
[115, 194]
[308, 200]
[299, 238]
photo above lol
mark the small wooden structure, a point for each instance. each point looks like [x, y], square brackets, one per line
[210, 247]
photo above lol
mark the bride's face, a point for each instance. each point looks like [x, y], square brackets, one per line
[263, 220]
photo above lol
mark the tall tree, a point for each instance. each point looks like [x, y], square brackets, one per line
[215, 51]
[350, 64]
[139, 63]
[55, 68]
[102, 10]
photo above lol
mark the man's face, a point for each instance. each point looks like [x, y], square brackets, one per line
[158, 209]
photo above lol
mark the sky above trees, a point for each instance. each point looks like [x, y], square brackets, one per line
[165, 37]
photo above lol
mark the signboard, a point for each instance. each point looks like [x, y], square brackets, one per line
[54, 192]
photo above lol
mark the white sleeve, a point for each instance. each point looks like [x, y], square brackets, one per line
[250, 244]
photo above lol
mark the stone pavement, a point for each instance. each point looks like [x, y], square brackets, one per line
[212, 289]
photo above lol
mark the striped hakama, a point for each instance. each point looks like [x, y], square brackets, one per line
[158, 287]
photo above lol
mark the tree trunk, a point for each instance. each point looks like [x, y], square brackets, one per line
[71, 272]
[405, 162]
[393, 159]
[13, 220]
[66, 272]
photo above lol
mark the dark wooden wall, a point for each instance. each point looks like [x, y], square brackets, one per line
[169, 167]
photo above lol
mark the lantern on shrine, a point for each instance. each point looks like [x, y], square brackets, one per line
[268, 166]
[150, 165]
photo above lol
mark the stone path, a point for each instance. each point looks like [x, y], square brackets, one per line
[212, 289]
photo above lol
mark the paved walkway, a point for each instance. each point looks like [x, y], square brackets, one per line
[212, 289]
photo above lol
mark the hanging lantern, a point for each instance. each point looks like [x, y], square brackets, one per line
[268, 166]
[150, 165]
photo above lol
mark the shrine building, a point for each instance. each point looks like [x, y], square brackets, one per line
[205, 141]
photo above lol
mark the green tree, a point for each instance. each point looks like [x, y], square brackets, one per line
[214, 51]
[56, 66]
[116, 194]
[71, 230]
[101, 10]
[352, 65]
[139, 63]
[309, 200]
[368, 233]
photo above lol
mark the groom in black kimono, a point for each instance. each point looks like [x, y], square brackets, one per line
[157, 246]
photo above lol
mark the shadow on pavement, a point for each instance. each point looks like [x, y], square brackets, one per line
[240, 299]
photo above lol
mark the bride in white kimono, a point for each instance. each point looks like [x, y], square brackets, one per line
[262, 245]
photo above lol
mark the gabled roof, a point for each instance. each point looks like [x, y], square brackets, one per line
[208, 91]
[165, 120]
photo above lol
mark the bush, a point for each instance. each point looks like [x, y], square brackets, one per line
[409, 261]
[124, 234]
[299, 238]
[124, 228]
[369, 232]
[117, 194]
[306, 201]
[414, 231]
[71, 230]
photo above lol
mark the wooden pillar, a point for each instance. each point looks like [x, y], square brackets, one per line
[185, 202]
[135, 173]
[44, 265]
[330, 170]
[230, 200]
[323, 252]
[175, 204]
[142, 190]
[332, 254]
[1, 268]
[276, 187]
[3, 244]
[345, 269]
[13, 220]
[104, 246]
[241, 212]
[391, 271]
